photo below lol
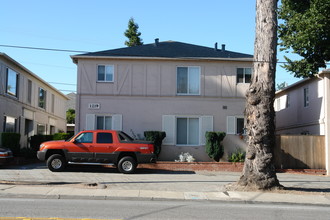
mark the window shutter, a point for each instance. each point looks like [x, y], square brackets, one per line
[117, 122]
[168, 125]
[90, 122]
[231, 125]
[206, 124]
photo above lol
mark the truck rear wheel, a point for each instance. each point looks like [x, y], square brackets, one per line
[56, 163]
[127, 165]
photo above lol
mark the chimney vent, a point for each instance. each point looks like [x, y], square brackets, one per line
[216, 46]
[223, 47]
[156, 42]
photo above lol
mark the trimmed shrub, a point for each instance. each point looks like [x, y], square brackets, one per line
[61, 136]
[214, 147]
[36, 140]
[237, 156]
[157, 138]
[11, 141]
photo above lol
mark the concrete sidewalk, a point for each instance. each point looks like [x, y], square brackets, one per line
[89, 182]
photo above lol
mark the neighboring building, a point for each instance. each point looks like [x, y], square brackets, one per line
[304, 108]
[182, 89]
[28, 105]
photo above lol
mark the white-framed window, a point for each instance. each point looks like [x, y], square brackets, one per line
[287, 104]
[186, 130]
[42, 98]
[105, 73]
[235, 125]
[12, 83]
[102, 122]
[188, 80]
[306, 97]
[243, 75]
[41, 129]
[10, 124]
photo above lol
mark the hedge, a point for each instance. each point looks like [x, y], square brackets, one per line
[11, 141]
[214, 147]
[157, 138]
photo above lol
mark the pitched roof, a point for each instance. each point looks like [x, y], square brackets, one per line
[168, 49]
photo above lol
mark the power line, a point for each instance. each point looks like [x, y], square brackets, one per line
[68, 84]
[79, 51]
[40, 48]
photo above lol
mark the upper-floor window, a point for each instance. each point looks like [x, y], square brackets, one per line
[188, 80]
[105, 73]
[42, 98]
[244, 75]
[306, 97]
[12, 82]
[29, 92]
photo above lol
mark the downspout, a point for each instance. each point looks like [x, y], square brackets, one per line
[327, 120]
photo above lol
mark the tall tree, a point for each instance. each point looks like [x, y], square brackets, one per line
[305, 31]
[133, 34]
[259, 171]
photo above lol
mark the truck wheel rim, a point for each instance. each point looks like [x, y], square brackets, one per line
[56, 163]
[127, 166]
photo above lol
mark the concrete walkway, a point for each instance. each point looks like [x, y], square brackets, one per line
[93, 182]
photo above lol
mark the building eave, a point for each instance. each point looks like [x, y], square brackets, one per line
[5, 56]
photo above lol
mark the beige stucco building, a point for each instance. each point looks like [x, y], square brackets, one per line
[304, 108]
[28, 105]
[182, 89]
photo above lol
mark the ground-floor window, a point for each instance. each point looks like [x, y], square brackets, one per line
[235, 125]
[104, 122]
[10, 124]
[187, 131]
[41, 129]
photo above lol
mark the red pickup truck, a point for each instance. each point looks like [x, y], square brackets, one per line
[97, 147]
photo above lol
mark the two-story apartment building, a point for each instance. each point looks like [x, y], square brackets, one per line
[304, 108]
[182, 89]
[28, 105]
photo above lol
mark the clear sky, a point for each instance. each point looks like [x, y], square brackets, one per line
[100, 25]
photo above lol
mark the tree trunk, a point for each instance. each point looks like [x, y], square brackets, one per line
[259, 171]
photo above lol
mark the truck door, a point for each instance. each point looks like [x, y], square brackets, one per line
[104, 147]
[82, 148]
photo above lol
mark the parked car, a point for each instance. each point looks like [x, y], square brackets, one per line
[6, 155]
[97, 147]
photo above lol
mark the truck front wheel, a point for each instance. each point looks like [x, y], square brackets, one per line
[127, 165]
[56, 163]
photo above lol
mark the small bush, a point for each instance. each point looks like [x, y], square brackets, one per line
[11, 141]
[157, 138]
[28, 153]
[214, 147]
[36, 140]
[237, 156]
[61, 136]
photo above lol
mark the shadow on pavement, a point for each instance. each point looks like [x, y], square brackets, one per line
[311, 190]
[93, 169]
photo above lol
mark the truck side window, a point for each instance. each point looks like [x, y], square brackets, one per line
[85, 138]
[104, 138]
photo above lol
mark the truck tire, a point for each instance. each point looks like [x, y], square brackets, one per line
[127, 165]
[56, 163]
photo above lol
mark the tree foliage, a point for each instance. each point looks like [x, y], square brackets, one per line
[305, 31]
[70, 116]
[133, 34]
